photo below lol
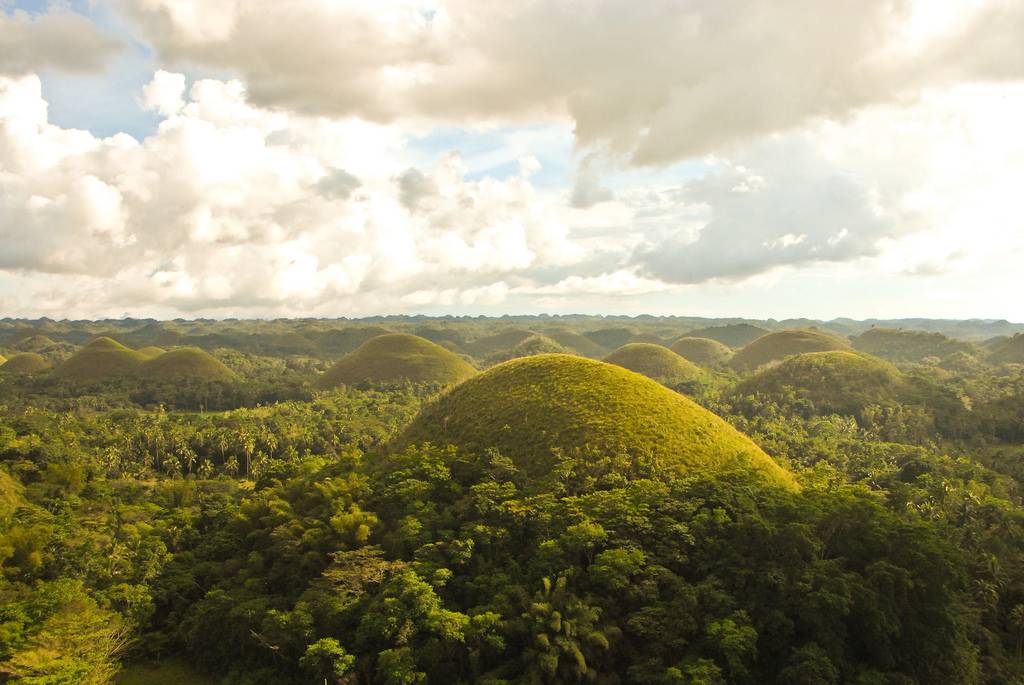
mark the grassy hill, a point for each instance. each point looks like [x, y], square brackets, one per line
[394, 358]
[781, 344]
[702, 351]
[151, 351]
[610, 338]
[908, 346]
[528, 407]
[835, 382]
[344, 340]
[732, 335]
[188, 362]
[575, 342]
[101, 359]
[3, 359]
[1009, 351]
[500, 342]
[26, 362]
[656, 362]
[535, 344]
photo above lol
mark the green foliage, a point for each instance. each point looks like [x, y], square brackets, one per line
[777, 346]
[532, 408]
[908, 346]
[396, 358]
[828, 382]
[1010, 351]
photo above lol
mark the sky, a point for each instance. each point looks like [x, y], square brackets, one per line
[754, 158]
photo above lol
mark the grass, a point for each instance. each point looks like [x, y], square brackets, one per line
[836, 382]
[576, 342]
[101, 359]
[702, 351]
[397, 357]
[610, 338]
[535, 344]
[498, 343]
[656, 362]
[528, 407]
[151, 352]
[187, 362]
[3, 359]
[781, 344]
[163, 673]
[732, 335]
[26, 362]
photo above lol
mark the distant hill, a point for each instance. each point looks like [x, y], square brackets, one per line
[733, 335]
[1009, 351]
[397, 357]
[611, 338]
[839, 382]
[344, 340]
[25, 362]
[101, 359]
[189, 362]
[528, 407]
[500, 342]
[908, 346]
[151, 351]
[656, 362]
[702, 351]
[781, 344]
[576, 342]
[535, 344]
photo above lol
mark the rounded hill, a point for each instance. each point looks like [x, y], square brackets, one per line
[101, 359]
[835, 382]
[151, 352]
[732, 335]
[656, 362]
[535, 344]
[187, 362]
[26, 362]
[394, 358]
[527, 408]
[702, 351]
[777, 346]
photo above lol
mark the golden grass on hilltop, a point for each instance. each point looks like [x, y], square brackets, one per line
[394, 358]
[528, 407]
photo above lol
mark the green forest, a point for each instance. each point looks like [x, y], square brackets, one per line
[538, 500]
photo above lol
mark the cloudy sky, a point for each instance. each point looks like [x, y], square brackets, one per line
[762, 158]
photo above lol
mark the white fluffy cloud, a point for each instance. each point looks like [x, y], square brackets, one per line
[232, 206]
[58, 39]
[657, 81]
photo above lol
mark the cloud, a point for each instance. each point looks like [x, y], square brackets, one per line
[230, 207]
[783, 206]
[653, 82]
[58, 39]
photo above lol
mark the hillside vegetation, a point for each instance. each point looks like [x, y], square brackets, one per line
[101, 359]
[781, 344]
[832, 382]
[26, 362]
[733, 335]
[394, 358]
[656, 362]
[702, 351]
[908, 346]
[1009, 351]
[527, 408]
[189, 362]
